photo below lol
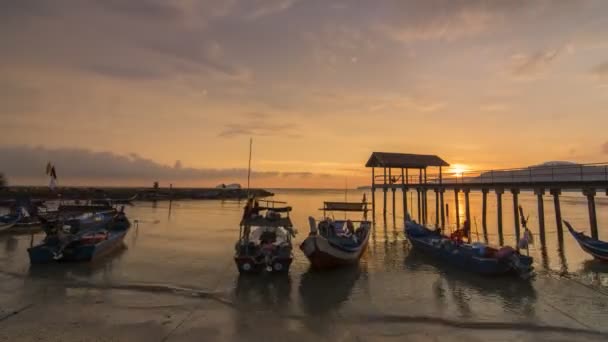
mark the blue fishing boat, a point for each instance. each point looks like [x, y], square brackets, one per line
[476, 257]
[85, 238]
[597, 248]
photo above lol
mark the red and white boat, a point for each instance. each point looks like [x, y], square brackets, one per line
[332, 243]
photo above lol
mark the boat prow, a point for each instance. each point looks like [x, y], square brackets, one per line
[596, 248]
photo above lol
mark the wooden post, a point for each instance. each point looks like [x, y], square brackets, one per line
[436, 208]
[441, 191]
[467, 209]
[425, 205]
[558, 215]
[499, 193]
[374, 194]
[390, 177]
[590, 194]
[404, 194]
[484, 212]
[515, 193]
[541, 214]
[384, 194]
[418, 200]
[456, 191]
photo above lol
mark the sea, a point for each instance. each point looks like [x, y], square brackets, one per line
[175, 279]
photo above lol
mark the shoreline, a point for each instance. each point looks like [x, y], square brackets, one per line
[13, 193]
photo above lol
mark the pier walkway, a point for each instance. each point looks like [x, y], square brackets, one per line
[401, 171]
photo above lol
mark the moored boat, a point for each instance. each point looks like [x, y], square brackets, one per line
[333, 243]
[84, 238]
[477, 257]
[596, 248]
[265, 235]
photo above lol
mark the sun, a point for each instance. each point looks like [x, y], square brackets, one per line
[458, 169]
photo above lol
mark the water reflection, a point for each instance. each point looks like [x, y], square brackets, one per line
[323, 293]
[10, 245]
[515, 294]
[266, 291]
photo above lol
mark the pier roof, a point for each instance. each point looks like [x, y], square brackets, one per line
[404, 160]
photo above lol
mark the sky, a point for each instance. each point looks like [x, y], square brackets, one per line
[127, 92]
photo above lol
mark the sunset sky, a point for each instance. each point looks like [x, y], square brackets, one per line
[127, 92]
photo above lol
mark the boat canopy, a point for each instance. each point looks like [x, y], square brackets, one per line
[261, 221]
[345, 206]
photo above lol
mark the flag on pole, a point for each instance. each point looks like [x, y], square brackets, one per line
[50, 171]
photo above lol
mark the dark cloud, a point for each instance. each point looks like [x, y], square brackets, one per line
[601, 71]
[27, 163]
[153, 9]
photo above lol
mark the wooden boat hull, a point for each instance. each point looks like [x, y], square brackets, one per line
[79, 252]
[596, 248]
[322, 254]
[464, 258]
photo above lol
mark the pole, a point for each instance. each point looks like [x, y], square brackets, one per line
[249, 167]
[515, 193]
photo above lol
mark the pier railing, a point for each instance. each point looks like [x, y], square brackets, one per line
[595, 172]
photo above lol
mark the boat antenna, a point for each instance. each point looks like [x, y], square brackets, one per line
[249, 168]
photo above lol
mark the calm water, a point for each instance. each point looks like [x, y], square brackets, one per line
[189, 247]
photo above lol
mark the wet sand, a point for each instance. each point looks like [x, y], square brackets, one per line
[175, 281]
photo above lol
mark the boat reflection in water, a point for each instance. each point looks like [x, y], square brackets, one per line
[323, 293]
[514, 294]
[260, 303]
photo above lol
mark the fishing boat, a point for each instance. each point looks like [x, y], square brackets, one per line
[265, 235]
[332, 243]
[597, 248]
[26, 219]
[84, 238]
[477, 257]
[8, 221]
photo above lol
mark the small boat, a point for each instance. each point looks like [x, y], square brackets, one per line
[333, 243]
[83, 238]
[477, 257]
[8, 221]
[265, 235]
[23, 219]
[598, 249]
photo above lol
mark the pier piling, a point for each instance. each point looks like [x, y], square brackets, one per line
[590, 194]
[404, 191]
[515, 193]
[484, 213]
[541, 214]
[467, 207]
[441, 203]
[456, 191]
[384, 193]
[374, 194]
[499, 193]
[437, 208]
[558, 215]
[419, 204]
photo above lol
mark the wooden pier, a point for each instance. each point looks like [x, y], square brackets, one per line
[587, 178]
